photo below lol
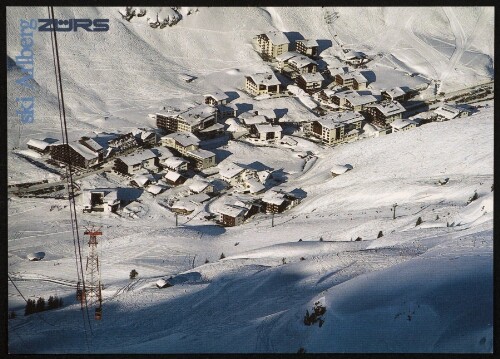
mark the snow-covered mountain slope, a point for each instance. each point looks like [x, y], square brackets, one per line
[425, 288]
[133, 68]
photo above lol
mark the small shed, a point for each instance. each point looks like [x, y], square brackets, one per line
[340, 169]
[36, 256]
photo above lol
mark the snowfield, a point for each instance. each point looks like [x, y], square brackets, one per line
[418, 288]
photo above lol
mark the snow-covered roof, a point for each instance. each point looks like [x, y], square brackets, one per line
[277, 37]
[286, 56]
[183, 205]
[40, 144]
[201, 153]
[447, 111]
[274, 197]
[395, 92]
[162, 152]
[255, 186]
[219, 96]
[301, 61]
[267, 113]
[255, 120]
[84, 151]
[308, 42]
[214, 127]
[354, 55]
[196, 114]
[110, 195]
[183, 138]
[198, 198]
[121, 139]
[361, 100]
[141, 180]
[263, 175]
[314, 77]
[263, 128]
[198, 185]
[335, 120]
[402, 123]
[267, 79]
[138, 158]
[232, 211]
[234, 125]
[93, 145]
[174, 162]
[36, 256]
[339, 169]
[230, 170]
[353, 75]
[172, 176]
[155, 189]
[389, 108]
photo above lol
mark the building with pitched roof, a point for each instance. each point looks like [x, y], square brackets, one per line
[337, 127]
[263, 83]
[271, 44]
[384, 113]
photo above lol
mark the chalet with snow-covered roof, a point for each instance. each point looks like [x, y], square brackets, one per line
[302, 65]
[355, 58]
[75, 153]
[310, 82]
[237, 175]
[202, 158]
[182, 142]
[267, 131]
[337, 127]
[394, 94]
[226, 111]
[100, 200]
[384, 113]
[39, 146]
[235, 128]
[353, 80]
[269, 115]
[174, 178]
[123, 143]
[146, 138]
[216, 98]
[232, 215]
[278, 201]
[254, 120]
[307, 47]
[188, 145]
[142, 180]
[192, 120]
[352, 100]
[198, 184]
[155, 189]
[402, 125]
[93, 146]
[136, 162]
[449, 112]
[263, 83]
[271, 44]
[177, 164]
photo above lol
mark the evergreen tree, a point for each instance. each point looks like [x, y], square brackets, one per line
[380, 234]
[12, 314]
[222, 256]
[60, 302]
[321, 239]
[206, 261]
[133, 274]
[30, 307]
[50, 303]
[40, 305]
[419, 221]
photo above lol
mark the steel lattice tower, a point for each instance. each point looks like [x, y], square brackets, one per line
[93, 277]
